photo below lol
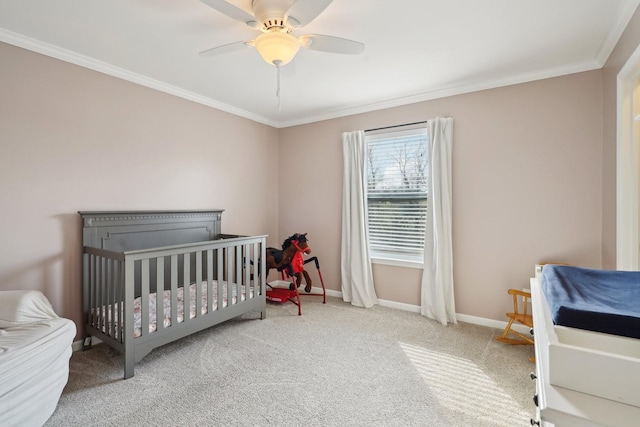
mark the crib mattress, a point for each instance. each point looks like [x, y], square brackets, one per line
[594, 300]
[166, 315]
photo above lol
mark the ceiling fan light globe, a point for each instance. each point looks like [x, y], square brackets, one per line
[277, 46]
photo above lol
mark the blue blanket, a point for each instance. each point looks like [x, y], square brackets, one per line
[596, 300]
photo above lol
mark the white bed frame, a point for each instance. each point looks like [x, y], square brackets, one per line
[583, 378]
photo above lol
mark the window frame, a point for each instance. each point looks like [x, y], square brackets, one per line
[390, 257]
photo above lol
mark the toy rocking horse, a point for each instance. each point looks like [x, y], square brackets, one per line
[300, 243]
[282, 260]
[297, 265]
[290, 263]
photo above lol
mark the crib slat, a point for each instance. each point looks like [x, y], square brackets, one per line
[210, 307]
[159, 293]
[220, 277]
[97, 288]
[105, 295]
[116, 306]
[144, 297]
[263, 271]
[256, 271]
[238, 278]
[249, 273]
[86, 310]
[100, 293]
[174, 289]
[91, 276]
[229, 272]
[186, 289]
[112, 297]
[121, 299]
[247, 269]
[127, 332]
[198, 284]
[255, 268]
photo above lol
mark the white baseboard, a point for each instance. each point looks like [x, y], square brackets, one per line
[399, 305]
[491, 323]
[475, 320]
[330, 292]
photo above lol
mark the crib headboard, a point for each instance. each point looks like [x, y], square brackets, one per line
[133, 230]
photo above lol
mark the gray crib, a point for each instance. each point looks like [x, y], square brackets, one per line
[153, 277]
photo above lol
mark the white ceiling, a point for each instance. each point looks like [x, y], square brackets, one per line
[415, 50]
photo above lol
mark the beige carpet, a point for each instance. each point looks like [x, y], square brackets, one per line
[336, 365]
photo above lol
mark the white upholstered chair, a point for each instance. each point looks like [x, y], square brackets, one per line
[35, 347]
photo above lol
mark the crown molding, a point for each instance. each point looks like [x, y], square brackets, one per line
[614, 35]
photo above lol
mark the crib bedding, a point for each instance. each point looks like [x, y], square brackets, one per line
[166, 319]
[596, 300]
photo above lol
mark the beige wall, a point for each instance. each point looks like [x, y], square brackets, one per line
[527, 179]
[73, 139]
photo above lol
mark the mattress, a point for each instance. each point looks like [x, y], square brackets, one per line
[595, 300]
[166, 315]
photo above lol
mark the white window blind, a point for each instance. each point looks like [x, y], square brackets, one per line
[397, 172]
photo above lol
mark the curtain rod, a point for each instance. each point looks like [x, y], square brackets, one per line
[397, 126]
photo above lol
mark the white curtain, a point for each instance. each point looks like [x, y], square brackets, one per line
[437, 300]
[355, 263]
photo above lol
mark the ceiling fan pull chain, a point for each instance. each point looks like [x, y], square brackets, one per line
[277, 64]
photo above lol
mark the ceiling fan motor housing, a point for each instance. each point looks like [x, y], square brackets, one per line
[271, 10]
[270, 13]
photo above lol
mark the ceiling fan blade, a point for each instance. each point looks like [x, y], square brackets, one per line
[226, 48]
[230, 10]
[331, 44]
[302, 12]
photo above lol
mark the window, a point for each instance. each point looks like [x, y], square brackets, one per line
[397, 183]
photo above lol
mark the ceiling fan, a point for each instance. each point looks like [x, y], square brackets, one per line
[276, 19]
